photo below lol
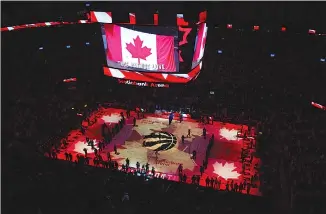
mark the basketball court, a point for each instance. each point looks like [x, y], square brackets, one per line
[224, 161]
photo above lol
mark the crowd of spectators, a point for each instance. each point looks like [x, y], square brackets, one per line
[38, 110]
[36, 184]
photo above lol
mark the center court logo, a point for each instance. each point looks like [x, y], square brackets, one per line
[159, 141]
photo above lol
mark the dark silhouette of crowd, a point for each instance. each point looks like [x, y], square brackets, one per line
[250, 87]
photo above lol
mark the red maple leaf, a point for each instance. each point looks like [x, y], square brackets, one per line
[138, 51]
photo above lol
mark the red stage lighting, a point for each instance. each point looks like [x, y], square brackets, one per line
[311, 31]
[283, 29]
[73, 79]
[155, 18]
[229, 26]
[181, 21]
[318, 106]
[256, 27]
[132, 18]
[202, 16]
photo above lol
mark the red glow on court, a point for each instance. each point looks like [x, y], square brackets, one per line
[224, 161]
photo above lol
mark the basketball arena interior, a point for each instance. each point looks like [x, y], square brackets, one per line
[167, 107]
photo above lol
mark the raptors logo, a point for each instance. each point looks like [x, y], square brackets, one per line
[160, 141]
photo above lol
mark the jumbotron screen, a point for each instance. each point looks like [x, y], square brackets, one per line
[141, 48]
[170, 54]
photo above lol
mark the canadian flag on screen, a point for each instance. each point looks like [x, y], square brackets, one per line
[140, 50]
